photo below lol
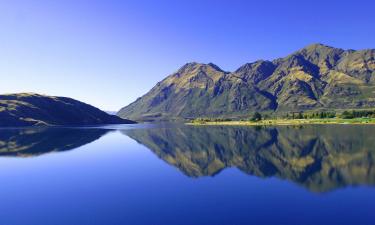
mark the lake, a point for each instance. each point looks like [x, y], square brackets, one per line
[175, 174]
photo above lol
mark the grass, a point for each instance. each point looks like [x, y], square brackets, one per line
[287, 122]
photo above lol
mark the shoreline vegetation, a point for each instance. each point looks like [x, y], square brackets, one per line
[294, 118]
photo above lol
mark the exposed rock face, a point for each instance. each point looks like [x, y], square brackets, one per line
[315, 77]
[29, 109]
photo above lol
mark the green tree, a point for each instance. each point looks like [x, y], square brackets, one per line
[256, 117]
[300, 115]
[347, 115]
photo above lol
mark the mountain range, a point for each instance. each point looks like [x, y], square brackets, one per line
[29, 109]
[317, 77]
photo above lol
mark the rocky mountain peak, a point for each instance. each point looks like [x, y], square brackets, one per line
[315, 77]
[194, 67]
[256, 71]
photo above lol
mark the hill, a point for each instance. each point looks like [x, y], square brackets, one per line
[28, 109]
[315, 77]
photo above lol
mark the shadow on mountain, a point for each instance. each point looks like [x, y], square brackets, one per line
[38, 141]
[320, 158]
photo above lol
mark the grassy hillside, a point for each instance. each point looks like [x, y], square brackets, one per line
[28, 109]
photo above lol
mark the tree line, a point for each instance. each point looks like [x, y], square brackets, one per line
[348, 114]
[257, 116]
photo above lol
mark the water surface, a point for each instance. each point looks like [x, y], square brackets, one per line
[175, 174]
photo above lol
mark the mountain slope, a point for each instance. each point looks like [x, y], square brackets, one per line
[198, 90]
[315, 77]
[27, 109]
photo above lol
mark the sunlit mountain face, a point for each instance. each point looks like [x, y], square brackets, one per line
[317, 77]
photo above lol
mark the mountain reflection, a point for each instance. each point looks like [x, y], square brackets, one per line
[321, 158]
[38, 141]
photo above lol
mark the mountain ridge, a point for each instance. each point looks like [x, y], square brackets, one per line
[31, 109]
[315, 77]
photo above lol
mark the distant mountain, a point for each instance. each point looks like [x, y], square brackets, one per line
[315, 77]
[28, 109]
[111, 112]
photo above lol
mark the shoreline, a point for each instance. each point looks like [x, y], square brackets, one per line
[286, 122]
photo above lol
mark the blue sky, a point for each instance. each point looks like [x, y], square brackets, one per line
[107, 53]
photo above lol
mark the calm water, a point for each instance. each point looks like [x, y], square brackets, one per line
[173, 174]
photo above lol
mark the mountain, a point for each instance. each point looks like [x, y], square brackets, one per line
[315, 77]
[320, 158]
[111, 112]
[28, 109]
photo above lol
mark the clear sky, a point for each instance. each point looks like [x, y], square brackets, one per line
[107, 53]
